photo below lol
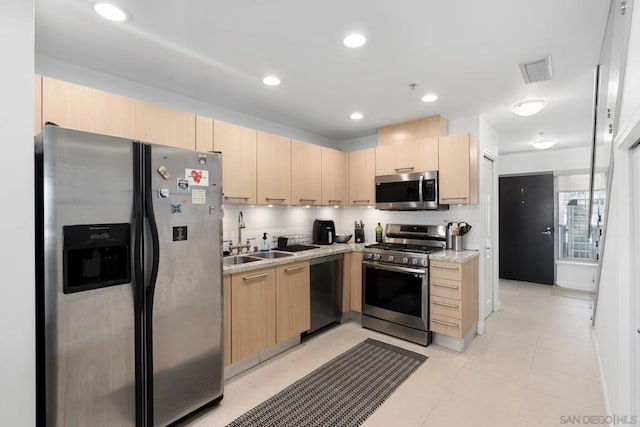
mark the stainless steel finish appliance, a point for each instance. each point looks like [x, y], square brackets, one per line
[395, 281]
[129, 295]
[324, 232]
[408, 191]
[326, 291]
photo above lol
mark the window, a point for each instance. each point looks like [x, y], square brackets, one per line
[575, 241]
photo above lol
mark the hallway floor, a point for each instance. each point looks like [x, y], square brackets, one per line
[534, 365]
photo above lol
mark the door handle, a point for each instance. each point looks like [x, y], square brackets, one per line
[546, 232]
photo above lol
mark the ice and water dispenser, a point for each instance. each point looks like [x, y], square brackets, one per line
[96, 256]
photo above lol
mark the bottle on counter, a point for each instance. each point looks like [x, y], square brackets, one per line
[265, 243]
[379, 233]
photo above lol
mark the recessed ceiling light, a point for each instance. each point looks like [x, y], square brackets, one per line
[111, 12]
[356, 116]
[354, 40]
[529, 108]
[543, 144]
[430, 97]
[271, 81]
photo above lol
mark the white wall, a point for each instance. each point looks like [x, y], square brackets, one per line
[545, 161]
[17, 315]
[369, 141]
[61, 70]
[614, 328]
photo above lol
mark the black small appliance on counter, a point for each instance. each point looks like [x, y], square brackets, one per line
[324, 232]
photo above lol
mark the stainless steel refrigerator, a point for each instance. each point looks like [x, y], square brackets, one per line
[129, 280]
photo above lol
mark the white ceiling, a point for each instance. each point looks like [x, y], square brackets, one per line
[466, 51]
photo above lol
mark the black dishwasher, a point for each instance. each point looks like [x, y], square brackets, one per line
[326, 291]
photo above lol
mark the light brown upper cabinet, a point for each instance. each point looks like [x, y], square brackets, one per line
[419, 155]
[239, 159]
[362, 171]
[458, 177]
[82, 108]
[334, 177]
[274, 169]
[306, 175]
[37, 104]
[427, 127]
[204, 134]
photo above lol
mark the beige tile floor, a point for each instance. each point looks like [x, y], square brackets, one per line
[534, 364]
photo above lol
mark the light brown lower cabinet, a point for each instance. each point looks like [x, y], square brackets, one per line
[253, 312]
[453, 290]
[226, 291]
[293, 300]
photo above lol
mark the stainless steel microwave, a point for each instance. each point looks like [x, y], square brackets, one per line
[408, 192]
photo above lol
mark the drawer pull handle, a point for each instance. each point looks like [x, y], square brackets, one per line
[453, 325]
[307, 200]
[236, 197]
[454, 198]
[445, 286]
[444, 304]
[280, 199]
[444, 267]
[289, 270]
[361, 201]
[334, 200]
[257, 276]
[408, 168]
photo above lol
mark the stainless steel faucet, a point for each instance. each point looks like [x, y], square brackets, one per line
[240, 227]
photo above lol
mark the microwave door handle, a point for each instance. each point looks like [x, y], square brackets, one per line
[420, 189]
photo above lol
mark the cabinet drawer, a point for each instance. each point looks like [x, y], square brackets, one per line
[446, 307]
[446, 325]
[445, 288]
[446, 270]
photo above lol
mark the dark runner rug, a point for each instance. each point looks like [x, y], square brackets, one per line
[342, 392]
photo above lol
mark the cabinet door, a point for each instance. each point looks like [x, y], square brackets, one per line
[397, 158]
[426, 154]
[239, 158]
[306, 173]
[274, 169]
[334, 177]
[82, 108]
[432, 126]
[204, 134]
[458, 178]
[253, 314]
[37, 92]
[293, 300]
[356, 281]
[362, 172]
[226, 289]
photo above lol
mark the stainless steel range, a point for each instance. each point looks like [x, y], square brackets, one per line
[395, 281]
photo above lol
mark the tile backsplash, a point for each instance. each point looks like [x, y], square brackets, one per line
[294, 220]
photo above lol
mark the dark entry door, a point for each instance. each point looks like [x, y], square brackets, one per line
[526, 228]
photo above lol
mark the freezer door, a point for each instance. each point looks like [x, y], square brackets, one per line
[185, 316]
[85, 298]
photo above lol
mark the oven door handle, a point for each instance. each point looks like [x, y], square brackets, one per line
[377, 266]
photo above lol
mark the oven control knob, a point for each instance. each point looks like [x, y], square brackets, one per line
[376, 257]
[425, 262]
[405, 260]
[414, 261]
[369, 256]
[391, 258]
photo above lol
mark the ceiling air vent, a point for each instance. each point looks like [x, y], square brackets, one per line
[537, 71]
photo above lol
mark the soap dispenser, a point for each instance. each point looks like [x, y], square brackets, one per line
[265, 243]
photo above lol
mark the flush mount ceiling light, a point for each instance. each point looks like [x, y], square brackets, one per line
[354, 40]
[543, 144]
[271, 81]
[430, 97]
[111, 12]
[529, 107]
[356, 116]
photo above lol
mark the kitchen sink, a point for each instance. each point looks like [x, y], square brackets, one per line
[239, 259]
[272, 254]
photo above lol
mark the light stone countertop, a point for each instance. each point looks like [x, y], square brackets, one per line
[453, 256]
[337, 248]
[322, 250]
